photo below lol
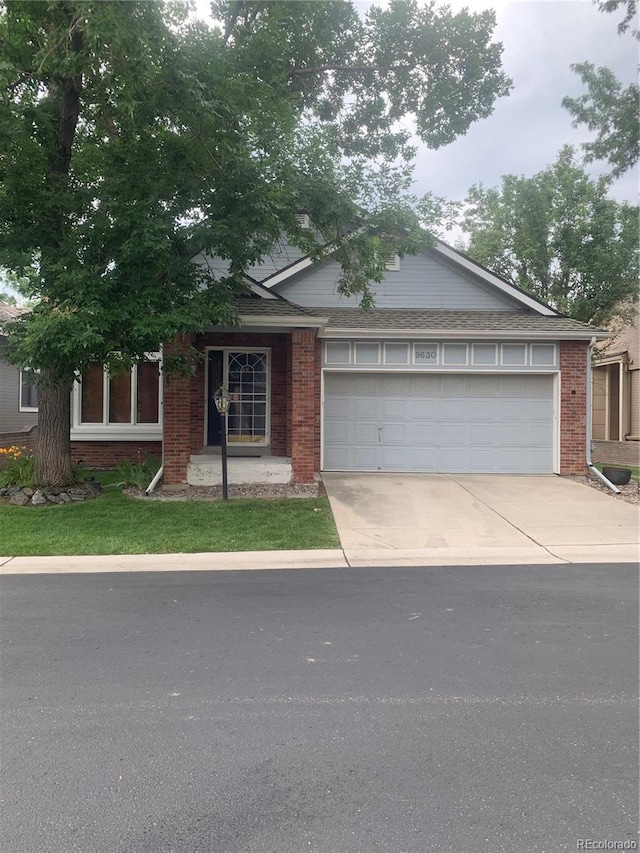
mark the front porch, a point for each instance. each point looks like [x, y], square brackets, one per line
[272, 428]
[205, 469]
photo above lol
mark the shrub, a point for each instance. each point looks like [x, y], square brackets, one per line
[19, 466]
[138, 475]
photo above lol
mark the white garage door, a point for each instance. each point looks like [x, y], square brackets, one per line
[440, 423]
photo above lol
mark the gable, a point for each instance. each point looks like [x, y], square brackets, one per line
[425, 282]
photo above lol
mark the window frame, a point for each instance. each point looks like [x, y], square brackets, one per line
[106, 431]
[21, 407]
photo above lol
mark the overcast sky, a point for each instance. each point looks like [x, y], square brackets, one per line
[541, 39]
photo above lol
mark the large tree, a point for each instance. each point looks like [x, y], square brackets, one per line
[559, 236]
[132, 138]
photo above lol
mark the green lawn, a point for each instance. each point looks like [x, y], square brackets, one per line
[117, 524]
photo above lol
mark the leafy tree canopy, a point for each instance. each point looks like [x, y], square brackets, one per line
[607, 107]
[558, 236]
[131, 139]
[610, 110]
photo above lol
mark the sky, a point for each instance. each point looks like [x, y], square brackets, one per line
[541, 40]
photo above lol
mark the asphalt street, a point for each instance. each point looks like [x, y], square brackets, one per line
[331, 711]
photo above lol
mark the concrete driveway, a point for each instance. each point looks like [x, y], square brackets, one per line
[444, 519]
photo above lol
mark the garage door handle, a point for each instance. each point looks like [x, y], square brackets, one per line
[379, 433]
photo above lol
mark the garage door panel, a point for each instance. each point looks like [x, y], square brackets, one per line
[337, 432]
[394, 433]
[365, 458]
[438, 422]
[395, 408]
[540, 410]
[337, 458]
[454, 409]
[482, 434]
[420, 433]
[365, 408]
[453, 433]
[395, 384]
[336, 407]
[454, 460]
[365, 433]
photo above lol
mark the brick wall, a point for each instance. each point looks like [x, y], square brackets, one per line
[617, 452]
[177, 419]
[109, 454]
[573, 407]
[23, 438]
[305, 405]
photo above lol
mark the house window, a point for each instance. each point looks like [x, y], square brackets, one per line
[28, 391]
[128, 398]
[247, 374]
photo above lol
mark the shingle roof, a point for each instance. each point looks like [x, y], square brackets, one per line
[9, 312]
[274, 308]
[381, 319]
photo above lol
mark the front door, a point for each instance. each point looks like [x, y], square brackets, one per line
[245, 374]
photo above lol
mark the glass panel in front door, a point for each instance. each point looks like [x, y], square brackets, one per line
[247, 384]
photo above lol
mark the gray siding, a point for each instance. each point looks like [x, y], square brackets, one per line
[11, 418]
[282, 256]
[422, 282]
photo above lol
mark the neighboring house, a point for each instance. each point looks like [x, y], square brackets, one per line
[18, 393]
[455, 370]
[616, 396]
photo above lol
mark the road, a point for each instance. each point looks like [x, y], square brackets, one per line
[331, 711]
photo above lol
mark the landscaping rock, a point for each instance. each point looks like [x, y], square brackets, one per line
[19, 499]
[64, 498]
[15, 489]
[77, 495]
[28, 492]
[4, 492]
[38, 499]
[54, 499]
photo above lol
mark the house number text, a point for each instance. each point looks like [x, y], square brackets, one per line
[425, 354]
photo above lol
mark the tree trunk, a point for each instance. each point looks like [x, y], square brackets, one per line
[53, 451]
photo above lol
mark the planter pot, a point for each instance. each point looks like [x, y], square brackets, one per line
[617, 476]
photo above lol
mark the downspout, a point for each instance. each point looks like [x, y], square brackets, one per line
[592, 468]
[155, 480]
[158, 474]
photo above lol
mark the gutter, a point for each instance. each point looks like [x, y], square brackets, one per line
[592, 468]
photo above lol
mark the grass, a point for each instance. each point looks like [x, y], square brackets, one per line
[117, 524]
[635, 472]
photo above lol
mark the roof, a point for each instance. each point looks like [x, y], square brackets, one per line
[380, 321]
[404, 323]
[394, 318]
[9, 312]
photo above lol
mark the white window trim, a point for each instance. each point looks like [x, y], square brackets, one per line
[21, 407]
[117, 432]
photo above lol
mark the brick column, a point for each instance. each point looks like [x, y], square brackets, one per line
[573, 407]
[177, 419]
[304, 389]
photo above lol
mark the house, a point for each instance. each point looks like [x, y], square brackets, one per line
[18, 392]
[454, 370]
[616, 396]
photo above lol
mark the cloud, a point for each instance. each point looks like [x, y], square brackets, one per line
[541, 40]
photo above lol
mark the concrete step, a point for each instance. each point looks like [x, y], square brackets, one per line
[205, 470]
